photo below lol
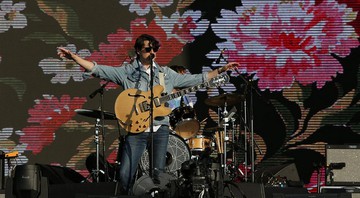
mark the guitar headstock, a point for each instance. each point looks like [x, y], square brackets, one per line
[219, 80]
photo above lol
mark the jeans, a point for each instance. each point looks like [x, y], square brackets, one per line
[134, 147]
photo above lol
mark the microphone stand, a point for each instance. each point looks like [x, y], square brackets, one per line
[92, 95]
[252, 139]
[151, 165]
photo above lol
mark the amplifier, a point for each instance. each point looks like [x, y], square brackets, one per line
[342, 165]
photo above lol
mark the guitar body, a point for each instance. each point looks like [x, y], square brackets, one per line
[132, 109]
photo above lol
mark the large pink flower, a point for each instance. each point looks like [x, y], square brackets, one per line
[183, 26]
[48, 115]
[285, 41]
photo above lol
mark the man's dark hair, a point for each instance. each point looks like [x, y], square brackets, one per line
[146, 37]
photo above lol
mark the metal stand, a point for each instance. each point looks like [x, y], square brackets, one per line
[252, 137]
[251, 116]
[95, 173]
[97, 129]
[225, 139]
[151, 170]
[245, 144]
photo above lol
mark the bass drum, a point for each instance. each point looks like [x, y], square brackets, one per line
[184, 123]
[177, 153]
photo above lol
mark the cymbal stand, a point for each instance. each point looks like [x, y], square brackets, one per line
[220, 138]
[252, 137]
[224, 122]
[233, 140]
[97, 129]
[245, 144]
[96, 140]
[225, 138]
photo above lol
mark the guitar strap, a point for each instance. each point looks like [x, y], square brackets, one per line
[161, 80]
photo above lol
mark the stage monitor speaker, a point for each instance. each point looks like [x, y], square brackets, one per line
[288, 171]
[342, 163]
[248, 190]
[60, 174]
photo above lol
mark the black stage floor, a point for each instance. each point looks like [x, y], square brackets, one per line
[171, 190]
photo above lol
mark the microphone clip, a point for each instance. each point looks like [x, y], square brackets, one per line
[221, 56]
[99, 90]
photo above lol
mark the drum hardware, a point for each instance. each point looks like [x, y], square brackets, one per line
[95, 114]
[145, 186]
[224, 138]
[227, 170]
[198, 176]
[178, 152]
[225, 100]
[183, 121]
[95, 173]
[98, 114]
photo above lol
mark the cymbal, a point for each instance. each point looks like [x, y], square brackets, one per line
[95, 114]
[230, 99]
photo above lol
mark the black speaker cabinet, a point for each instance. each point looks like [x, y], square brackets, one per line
[2, 170]
[28, 183]
[342, 163]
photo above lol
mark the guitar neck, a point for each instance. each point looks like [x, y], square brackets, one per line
[182, 92]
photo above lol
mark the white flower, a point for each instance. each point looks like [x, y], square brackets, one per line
[143, 7]
[10, 15]
[64, 69]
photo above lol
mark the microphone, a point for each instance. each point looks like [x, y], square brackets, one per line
[339, 165]
[220, 56]
[152, 56]
[100, 90]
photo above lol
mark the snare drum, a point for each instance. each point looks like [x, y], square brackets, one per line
[184, 122]
[200, 143]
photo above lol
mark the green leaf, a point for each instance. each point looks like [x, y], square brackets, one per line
[67, 19]
[46, 37]
[18, 85]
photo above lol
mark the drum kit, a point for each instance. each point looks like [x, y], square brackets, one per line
[188, 145]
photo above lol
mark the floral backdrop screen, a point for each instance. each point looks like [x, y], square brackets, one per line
[298, 74]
